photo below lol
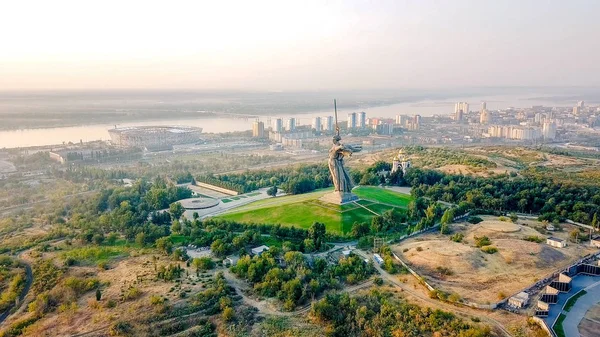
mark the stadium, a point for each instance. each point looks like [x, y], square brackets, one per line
[154, 137]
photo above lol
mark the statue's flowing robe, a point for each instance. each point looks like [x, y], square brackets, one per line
[340, 177]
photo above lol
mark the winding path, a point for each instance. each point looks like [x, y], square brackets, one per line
[28, 281]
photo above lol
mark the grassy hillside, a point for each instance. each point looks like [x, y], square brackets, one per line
[303, 210]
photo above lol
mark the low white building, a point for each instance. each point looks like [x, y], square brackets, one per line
[550, 227]
[258, 250]
[556, 242]
[519, 300]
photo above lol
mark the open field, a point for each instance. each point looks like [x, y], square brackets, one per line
[304, 209]
[485, 278]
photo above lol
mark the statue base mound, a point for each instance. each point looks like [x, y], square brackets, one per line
[339, 198]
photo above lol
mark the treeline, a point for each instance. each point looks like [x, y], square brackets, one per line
[536, 194]
[381, 314]
[296, 180]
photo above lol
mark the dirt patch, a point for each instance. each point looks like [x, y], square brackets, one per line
[479, 277]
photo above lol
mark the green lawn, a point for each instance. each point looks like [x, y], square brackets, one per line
[571, 302]
[304, 209]
[93, 254]
[383, 195]
[558, 327]
[225, 200]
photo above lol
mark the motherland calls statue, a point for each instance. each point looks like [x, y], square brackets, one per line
[342, 181]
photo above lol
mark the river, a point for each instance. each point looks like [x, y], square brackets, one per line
[85, 133]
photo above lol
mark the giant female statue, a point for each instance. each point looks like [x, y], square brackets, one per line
[342, 181]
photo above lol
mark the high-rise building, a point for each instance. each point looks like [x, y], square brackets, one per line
[316, 124]
[483, 106]
[549, 130]
[329, 124]
[581, 104]
[352, 120]
[258, 129]
[362, 119]
[576, 110]
[460, 110]
[402, 119]
[291, 124]
[278, 125]
[484, 117]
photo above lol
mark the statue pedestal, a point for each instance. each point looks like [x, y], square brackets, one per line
[339, 198]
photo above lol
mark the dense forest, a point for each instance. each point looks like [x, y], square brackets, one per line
[554, 201]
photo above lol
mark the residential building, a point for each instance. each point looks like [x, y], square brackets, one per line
[362, 120]
[278, 125]
[291, 124]
[329, 124]
[316, 124]
[352, 120]
[258, 129]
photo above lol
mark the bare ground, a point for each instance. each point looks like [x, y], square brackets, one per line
[480, 277]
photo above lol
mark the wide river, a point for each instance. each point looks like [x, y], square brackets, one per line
[60, 135]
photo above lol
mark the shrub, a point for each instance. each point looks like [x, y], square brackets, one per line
[482, 241]
[534, 238]
[458, 237]
[474, 219]
[132, 293]
[378, 281]
[444, 270]
[419, 249]
[120, 328]
[489, 249]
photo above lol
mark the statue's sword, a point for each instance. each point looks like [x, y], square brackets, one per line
[337, 126]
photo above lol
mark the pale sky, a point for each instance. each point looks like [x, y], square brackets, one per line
[299, 45]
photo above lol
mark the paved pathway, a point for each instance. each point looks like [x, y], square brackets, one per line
[583, 304]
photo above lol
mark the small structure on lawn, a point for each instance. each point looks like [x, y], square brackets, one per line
[258, 250]
[519, 300]
[556, 242]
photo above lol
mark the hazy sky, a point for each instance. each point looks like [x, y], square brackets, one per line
[285, 45]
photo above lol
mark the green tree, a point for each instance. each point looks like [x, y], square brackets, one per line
[595, 222]
[111, 239]
[377, 224]
[176, 226]
[360, 229]
[202, 264]
[272, 191]
[316, 233]
[448, 216]
[98, 295]
[176, 210]
[164, 245]
[140, 239]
